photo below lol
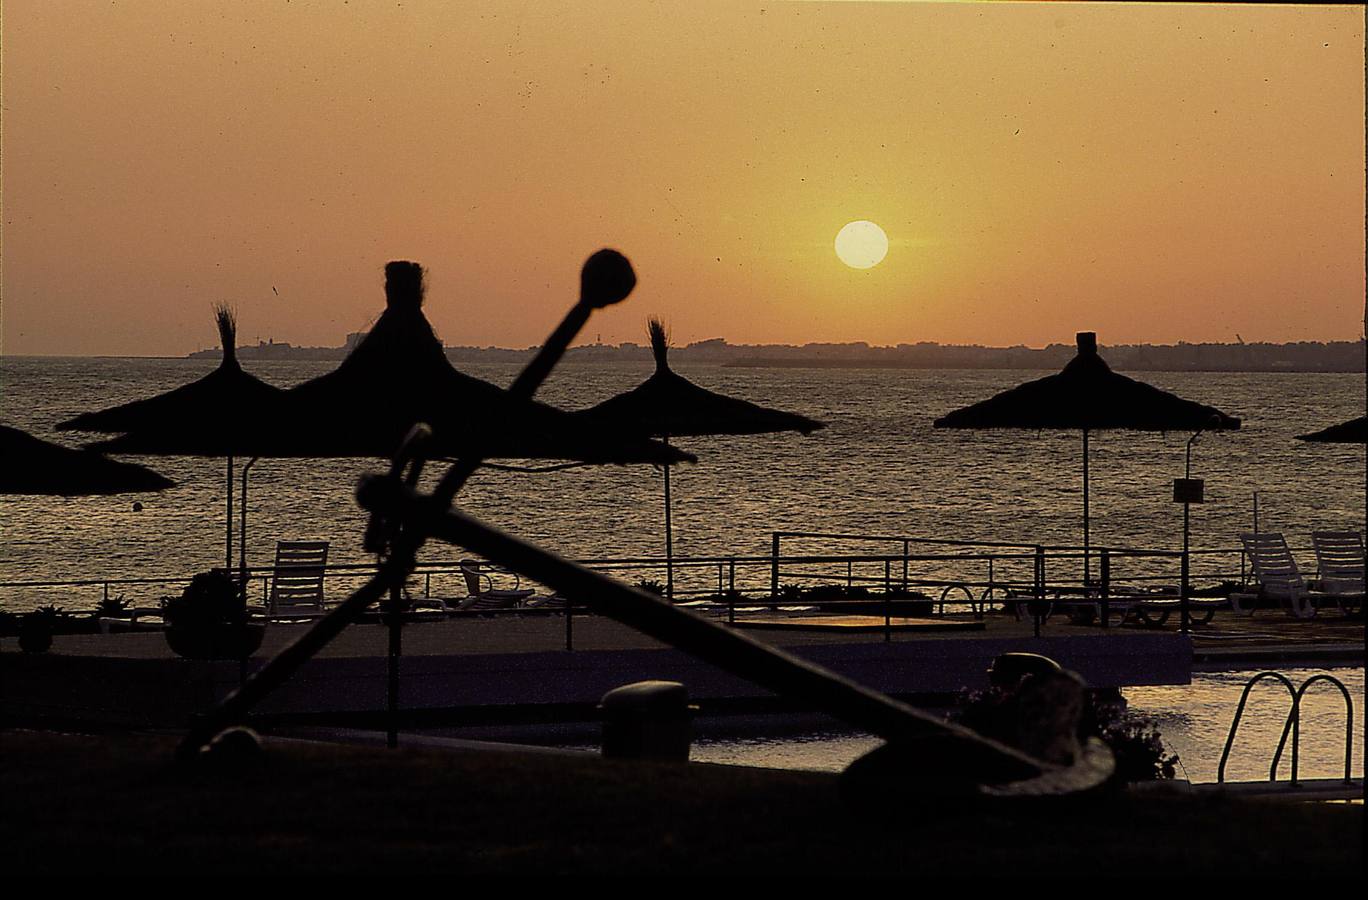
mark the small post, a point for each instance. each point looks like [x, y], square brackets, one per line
[1039, 605]
[904, 580]
[774, 567]
[395, 650]
[850, 574]
[888, 576]
[731, 574]
[1104, 564]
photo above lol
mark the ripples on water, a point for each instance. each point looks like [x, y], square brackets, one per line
[878, 467]
[1193, 719]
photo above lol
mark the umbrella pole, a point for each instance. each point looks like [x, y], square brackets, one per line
[669, 536]
[242, 529]
[228, 539]
[1086, 567]
[242, 565]
[395, 649]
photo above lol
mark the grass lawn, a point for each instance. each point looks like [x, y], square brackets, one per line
[115, 805]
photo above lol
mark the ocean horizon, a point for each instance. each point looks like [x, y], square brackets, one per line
[878, 468]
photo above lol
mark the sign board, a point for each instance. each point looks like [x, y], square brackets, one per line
[1188, 490]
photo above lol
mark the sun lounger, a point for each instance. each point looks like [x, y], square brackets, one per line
[1151, 609]
[1277, 574]
[1339, 563]
[134, 619]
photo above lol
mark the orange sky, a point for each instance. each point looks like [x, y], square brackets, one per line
[1155, 173]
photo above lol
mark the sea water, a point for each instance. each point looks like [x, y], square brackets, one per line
[877, 468]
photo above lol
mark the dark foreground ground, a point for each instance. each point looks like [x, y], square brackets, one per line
[116, 806]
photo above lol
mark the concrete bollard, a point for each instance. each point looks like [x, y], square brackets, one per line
[1008, 669]
[647, 720]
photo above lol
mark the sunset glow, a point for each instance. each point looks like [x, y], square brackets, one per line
[1154, 172]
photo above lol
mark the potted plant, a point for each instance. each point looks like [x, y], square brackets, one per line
[36, 629]
[209, 620]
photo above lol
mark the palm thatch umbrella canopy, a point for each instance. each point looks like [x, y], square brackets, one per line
[1088, 396]
[398, 375]
[211, 416]
[669, 405]
[34, 466]
[1355, 431]
[190, 420]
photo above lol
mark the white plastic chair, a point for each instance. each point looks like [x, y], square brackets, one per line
[484, 596]
[1277, 572]
[1339, 559]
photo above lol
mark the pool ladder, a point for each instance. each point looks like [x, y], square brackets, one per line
[1293, 724]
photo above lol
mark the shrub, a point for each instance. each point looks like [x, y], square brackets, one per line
[651, 586]
[112, 606]
[1134, 740]
[211, 601]
[36, 629]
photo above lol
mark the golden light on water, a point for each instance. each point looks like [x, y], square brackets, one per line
[861, 245]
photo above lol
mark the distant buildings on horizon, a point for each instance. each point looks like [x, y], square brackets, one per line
[1303, 356]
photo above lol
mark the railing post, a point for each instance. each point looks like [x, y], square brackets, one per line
[731, 574]
[850, 575]
[1105, 574]
[719, 578]
[427, 586]
[731, 608]
[904, 580]
[774, 567]
[888, 617]
[1039, 605]
[888, 576]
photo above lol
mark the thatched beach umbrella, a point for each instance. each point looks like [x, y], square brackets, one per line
[668, 405]
[34, 466]
[396, 377]
[1355, 431]
[1088, 396]
[399, 375]
[212, 416]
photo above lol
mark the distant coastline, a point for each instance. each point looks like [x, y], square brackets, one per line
[1304, 356]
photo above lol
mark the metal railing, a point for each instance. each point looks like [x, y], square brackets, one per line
[977, 575]
[1292, 725]
[964, 576]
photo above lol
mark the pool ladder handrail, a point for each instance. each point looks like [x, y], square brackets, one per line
[1293, 724]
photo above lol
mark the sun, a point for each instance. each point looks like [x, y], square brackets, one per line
[861, 245]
